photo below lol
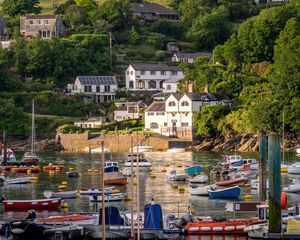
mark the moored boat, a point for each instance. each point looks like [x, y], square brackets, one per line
[34, 169]
[75, 218]
[51, 167]
[293, 188]
[173, 176]
[193, 170]
[232, 182]
[201, 191]
[16, 180]
[201, 178]
[62, 195]
[108, 197]
[142, 161]
[111, 166]
[72, 174]
[114, 178]
[96, 191]
[176, 150]
[36, 204]
[231, 192]
[141, 148]
[294, 168]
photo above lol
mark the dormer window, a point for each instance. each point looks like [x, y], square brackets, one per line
[152, 72]
[172, 104]
[174, 73]
[184, 103]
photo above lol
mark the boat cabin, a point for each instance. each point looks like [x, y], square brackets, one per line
[250, 161]
[232, 158]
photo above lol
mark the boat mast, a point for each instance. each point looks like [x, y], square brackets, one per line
[131, 189]
[138, 192]
[32, 130]
[283, 137]
[102, 184]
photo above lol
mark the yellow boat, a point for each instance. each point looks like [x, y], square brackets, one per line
[293, 226]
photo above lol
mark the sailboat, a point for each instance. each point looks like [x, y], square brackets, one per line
[31, 158]
[283, 166]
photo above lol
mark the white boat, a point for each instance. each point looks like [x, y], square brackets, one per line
[62, 195]
[232, 158]
[108, 197]
[255, 184]
[173, 176]
[294, 168]
[97, 150]
[126, 171]
[293, 188]
[141, 148]
[176, 150]
[142, 161]
[16, 180]
[10, 156]
[253, 163]
[201, 191]
[298, 150]
[201, 178]
[96, 191]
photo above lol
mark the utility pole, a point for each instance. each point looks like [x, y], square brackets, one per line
[110, 49]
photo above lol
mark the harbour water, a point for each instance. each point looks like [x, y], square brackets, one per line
[153, 184]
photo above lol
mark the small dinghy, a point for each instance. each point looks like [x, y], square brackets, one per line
[72, 174]
[176, 150]
[173, 176]
[294, 168]
[231, 192]
[62, 195]
[231, 182]
[201, 191]
[201, 178]
[75, 218]
[35, 169]
[293, 188]
[51, 167]
[96, 191]
[113, 197]
[193, 170]
[16, 180]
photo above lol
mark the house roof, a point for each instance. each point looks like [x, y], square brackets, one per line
[151, 8]
[101, 80]
[154, 67]
[41, 17]
[210, 96]
[194, 55]
[156, 106]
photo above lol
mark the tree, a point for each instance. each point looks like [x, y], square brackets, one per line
[88, 5]
[210, 29]
[134, 36]
[19, 7]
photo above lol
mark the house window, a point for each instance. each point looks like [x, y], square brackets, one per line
[161, 83]
[127, 72]
[45, 34]
[162, 72]
[152, 84]
[165, 124]
[39, 22]
[168, 87]
[141, 84]
[184, 124]
[130, 84]
[205, 103]
[46, 22]
[160, 114]
[185, 104]
[87, 88]
[152, 72]
[154, 125]
[131, 72]
[31, 22]
[172, 104]
[174, 73]
[142, 72]
[97, 88]
[106, 88]
[150, 113]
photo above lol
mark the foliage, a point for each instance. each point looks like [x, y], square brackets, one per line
[20, 7]
[168, 28]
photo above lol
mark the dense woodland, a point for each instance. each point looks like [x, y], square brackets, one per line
[256, 60]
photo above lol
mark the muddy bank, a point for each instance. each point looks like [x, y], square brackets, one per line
[238, 142]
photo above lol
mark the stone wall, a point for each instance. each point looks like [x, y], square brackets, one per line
[115, 142]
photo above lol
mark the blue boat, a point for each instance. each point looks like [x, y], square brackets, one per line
[111, 166]
[231, 192]
[193, 170]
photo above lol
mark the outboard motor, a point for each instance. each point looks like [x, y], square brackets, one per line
[31, 215]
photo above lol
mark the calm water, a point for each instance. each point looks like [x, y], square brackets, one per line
[158, 188]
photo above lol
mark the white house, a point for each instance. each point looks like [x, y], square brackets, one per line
[95, 88]
[189, 57]
[174, 115]
[90, 123]
[128, 110]
[150, 77]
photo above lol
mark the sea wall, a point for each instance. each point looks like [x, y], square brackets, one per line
[81, 142]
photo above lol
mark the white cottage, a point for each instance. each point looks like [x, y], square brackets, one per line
[174, 115]
[128, 110]
[95, 88]
[150, 77]
[189, 57]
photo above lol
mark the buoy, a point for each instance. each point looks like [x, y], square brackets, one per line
[51, 172]
[80, 174]
[71, 169]
[33, 181]
[152, 176]
[247, 185]
[174, 185]
[115, 191]
[13, 169]
[248, 197]
[149, 170]
[96, 170]
[181, 189]
[34, 178]
[90, 170]
[62, 186]
[167, 165]
[135, 183]
[163, 170]
[64, 205]
[2, 174]
[78, 195]
[127, 199]
[179, 166]
[64, 183]
[193, 210]
[206, 166]
[28, 171]
[283, 202]
[57, 169]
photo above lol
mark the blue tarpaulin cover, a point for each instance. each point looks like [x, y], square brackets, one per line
[112, 216]
[153, 217]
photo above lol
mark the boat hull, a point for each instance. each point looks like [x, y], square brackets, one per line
[199, 179]
[25, 169]
[232, 182]
[232, 192]
[62, 195]
[53, 167]
[294, 170]
[200, 191]
[108, 197]
[114, 178]
[193, 171]
[294, 188]
[41, 204]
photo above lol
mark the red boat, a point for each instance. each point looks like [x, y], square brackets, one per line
[38, 204]
[62, 219]
[53, 167]
[206, 227]
[232, 182]
[8, 168]
[25, 169]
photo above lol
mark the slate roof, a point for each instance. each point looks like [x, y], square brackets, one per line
[94, 80]
[194, 55]
[151, 8]
[154, 67]
[156, 106]
[41, 16]
[210, 96]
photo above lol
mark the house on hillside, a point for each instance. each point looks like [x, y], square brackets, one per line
[90, 122]
[152, 12]
[174, 115]
[150, 77]
[189, 57]
[2, 27]
[128, 110]
[44, 26]
[95, 88]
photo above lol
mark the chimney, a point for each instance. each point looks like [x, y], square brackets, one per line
[191, 88]
[206, 88]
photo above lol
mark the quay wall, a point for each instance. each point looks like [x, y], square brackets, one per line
[81, 142]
